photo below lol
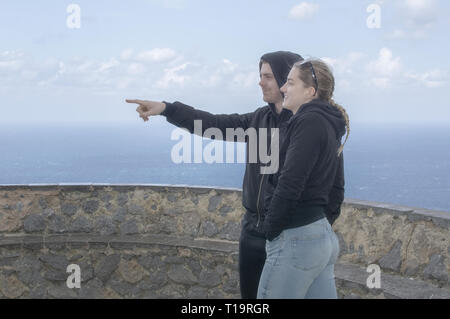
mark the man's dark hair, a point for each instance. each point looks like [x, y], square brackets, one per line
[281, 63]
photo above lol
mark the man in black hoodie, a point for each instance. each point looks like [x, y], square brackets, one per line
[274, 68]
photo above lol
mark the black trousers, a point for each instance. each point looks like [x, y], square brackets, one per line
[252, 255]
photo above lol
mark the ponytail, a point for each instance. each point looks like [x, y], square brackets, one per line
[347, 122]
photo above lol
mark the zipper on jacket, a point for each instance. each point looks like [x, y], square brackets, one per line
[257, 203]
[260, 185]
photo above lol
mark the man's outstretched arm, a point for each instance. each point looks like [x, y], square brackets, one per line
[183, 115]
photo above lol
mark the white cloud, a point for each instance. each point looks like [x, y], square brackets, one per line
[386, 65]
[135, 68]
[303, 11]
[330, 61]
[130, 70]
[228, 67]
[382, 74]
[246, 80]
[382, 70]
[156, 55]
[386, 71]
[421, 12]
[431, 79]
[346, 64]
[230, 76]
[11, 65]
[11, 55]
[414, 19]
[11, 61]
[217, 75]
[84, 67]
[171, 76]
[61, 68]
[126, 54]
[382, 83]
[347, 69]
[397, 34]
[107, 66]
[355, 69]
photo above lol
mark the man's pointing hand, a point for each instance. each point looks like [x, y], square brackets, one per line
[148, 108]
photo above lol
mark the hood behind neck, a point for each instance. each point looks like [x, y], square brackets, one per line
[331, 113]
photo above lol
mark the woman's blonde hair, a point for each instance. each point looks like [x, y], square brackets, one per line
[316, 73]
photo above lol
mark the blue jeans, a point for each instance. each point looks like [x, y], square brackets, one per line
[300, 263]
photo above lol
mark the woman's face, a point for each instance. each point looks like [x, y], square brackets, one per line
[295, 92]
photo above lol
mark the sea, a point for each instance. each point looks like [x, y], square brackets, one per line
[399, 164]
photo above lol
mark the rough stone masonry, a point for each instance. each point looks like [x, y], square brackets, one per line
[144, 241]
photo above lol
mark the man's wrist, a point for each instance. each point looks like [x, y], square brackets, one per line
[169, 109]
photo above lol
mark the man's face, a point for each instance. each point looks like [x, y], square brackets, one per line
[269, 86]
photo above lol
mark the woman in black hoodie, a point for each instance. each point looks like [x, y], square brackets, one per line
[301, 246]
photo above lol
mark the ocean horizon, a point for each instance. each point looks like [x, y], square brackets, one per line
[405, 165]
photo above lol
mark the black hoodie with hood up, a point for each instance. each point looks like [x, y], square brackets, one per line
[309, 169]
[183, 116]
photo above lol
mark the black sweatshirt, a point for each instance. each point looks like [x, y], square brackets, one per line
[183, 115]
[302, 190]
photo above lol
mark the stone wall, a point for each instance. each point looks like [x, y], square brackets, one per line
[411, 246]
[150, 241]
[414, 243]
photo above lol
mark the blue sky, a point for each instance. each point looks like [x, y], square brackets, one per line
[205, 53]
